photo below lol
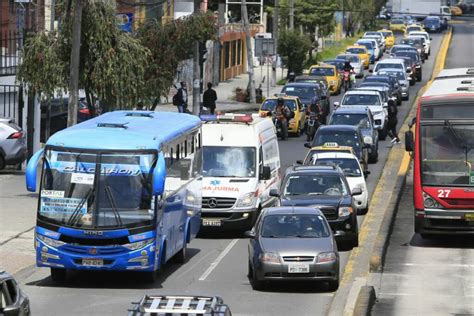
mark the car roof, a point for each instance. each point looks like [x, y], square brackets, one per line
[391, 70]
[391, 61]
[322, 65]
[281, 210]
[359, 92]
[288, 97]
[352, 110]
[334, 154]
[325, 128]
[300, 84]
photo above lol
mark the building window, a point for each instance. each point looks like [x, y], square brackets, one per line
[226, 55]
[239, 52]
[234, 52]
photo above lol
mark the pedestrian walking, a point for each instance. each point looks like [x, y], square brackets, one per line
[180, 99]
[209, 98]
[392, 122]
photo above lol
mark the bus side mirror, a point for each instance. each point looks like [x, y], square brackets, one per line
[409, 141]
[159, 175]
[31, 169]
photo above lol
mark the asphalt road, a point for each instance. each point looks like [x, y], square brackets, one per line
[217, 265]
[429, 277]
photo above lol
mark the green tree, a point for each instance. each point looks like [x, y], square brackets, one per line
[292, 47]
[169, 44]
[112, 63]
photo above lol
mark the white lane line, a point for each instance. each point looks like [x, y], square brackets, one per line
[414, 295]
[218, 260]
[453, 265]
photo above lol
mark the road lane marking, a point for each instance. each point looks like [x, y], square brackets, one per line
[414, 294]
[454, 265]
[218, 260]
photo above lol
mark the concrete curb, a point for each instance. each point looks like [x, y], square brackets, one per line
[375, 232]
[365, 300]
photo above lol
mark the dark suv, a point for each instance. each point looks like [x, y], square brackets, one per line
[12, 299]
[343, 135]
[362, 118]
[324, 188]
[306, 91]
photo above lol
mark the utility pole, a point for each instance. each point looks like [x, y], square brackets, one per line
[51, 23]
[343, 17]
[292, 15]
[196, 70]
[245, 22]
[74, 68]
[276, 12]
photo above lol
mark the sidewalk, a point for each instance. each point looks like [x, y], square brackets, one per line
[226, 91]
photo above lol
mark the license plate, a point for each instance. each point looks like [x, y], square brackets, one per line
[469, 217]
[298, 268]
[211, 222]
[92, 262]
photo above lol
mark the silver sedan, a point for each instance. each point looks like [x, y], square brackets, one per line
[292, 244]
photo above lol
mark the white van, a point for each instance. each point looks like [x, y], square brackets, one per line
[241, 164]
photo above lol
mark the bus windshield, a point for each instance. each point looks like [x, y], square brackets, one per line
[447, 154]
[224, 161]
[97, 190]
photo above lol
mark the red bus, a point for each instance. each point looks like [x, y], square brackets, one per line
[443, 183]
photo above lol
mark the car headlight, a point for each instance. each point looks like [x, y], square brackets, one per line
[50, 241]
[269, 257]
[326, 257]
[429, 202]
[345, 211]
[139, 244]
[247, 200]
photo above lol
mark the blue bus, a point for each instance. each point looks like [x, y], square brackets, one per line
[118, 192]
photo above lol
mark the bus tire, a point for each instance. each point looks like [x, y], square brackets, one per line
[150, 276]
[58, 275]
[180, 257]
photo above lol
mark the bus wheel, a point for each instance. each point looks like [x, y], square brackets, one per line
[58, 275]
[150, 276]
[180, 257]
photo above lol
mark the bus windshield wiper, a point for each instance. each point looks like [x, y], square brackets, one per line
[75, 214]
[463, 145]
[111, 198]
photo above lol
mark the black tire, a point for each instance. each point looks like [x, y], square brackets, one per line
[58, 275]
[374, 158]
[257, 285]
[406, 98]
[363, 211]
[150, 276]
[383, 133]
[2, 162]
[334, 284]
[180, 257]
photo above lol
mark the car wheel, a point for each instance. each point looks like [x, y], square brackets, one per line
[406, 98]
[58, 275]
[2, 162]
[374, 157]
[256, 283]
[334, 284]
[383, 133]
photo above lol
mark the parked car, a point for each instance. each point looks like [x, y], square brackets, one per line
[363, 118]
[293, 244]
[13, 301]
[325, 188]
[12, 143]
[352, 169]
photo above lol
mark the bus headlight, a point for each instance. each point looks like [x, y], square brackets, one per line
[50, 241]
[247, 200]
[429, 202]
[139, 244]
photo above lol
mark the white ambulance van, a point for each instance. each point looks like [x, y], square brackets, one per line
[241, 164]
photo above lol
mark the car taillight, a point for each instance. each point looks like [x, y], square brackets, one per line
[84, 111]
[15, 135]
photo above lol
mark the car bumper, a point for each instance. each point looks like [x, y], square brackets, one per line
[444, 222]
[344, 228]
[327, 271]
[361, 201]
[235, 220]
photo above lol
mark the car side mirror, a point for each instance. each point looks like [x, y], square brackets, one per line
[299, 162]
[307, 145]
[266, 173]
[371, 70]
[274, 193]
[356, 191]
[409, 141]
[336, 104]
[250, 233]
[11, 311]
[366, 173]
[159, 175]
[31, 169]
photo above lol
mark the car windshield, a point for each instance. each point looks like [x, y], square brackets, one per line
[322, 71]
[447, 154]
[356, 50]
[74, 194]
[411, 54]
[413, 28]
[388, 65]
[350, 58]
[397, 22]
[339, 63]
[294, 226]
[367, 45]
[350, 167]
[225, 161]
[270, 104]
[303, 92]
[387, 34]
[361, 99]
[354, 119]
[400, 75]
[320, 184]
[342, 138]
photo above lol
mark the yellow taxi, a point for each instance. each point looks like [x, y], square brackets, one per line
[362, 51]
[327, 147]
[331, 74]
[296, 124]
[455, 10]
[414, 28]
[389, 38]
[398, 25]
